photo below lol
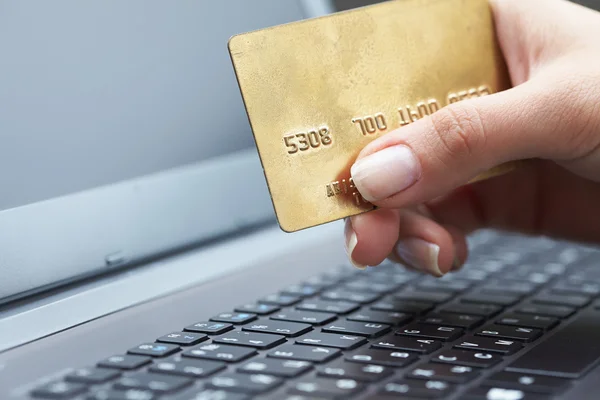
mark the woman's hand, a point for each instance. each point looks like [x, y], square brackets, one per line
[552, 114]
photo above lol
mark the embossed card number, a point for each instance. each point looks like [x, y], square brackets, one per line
[305, 141]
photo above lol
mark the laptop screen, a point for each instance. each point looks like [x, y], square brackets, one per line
[100, 92]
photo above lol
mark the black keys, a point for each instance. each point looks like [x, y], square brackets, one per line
[371, 286]
[572, 300]
[445, 333]
[529, 321]
[585, 288]
[403, 306]
[569, 353]
[209, 394]
[275, 367]
[304, 353]
[188, 367]
[210, 328]
[154, 349]
[467, 358]
[411, 388]
[380, 317]
[313, 318]
[483, 310]
[234, 318]
[131, 394]
[304, 290]
[281, 300]
[278, 327]
[244, 383]
[424, 346]
[59, 390]
[443, 372]
[528, 383]
[546, 311]
[158, 383]
[336, 307]
[465, 321]
[329, 388]
[124, 362]
[510, 332]
[494, 345]
[250, 339]
[367, 329]
[344, 342]
[389, 358]
[516, 288]
[486, 393]
[435, 297]
[183, 338]
[259, 309]
[454, 285]
[220, 352]
[494, 299]
[346, 295]
[92, 376]
[360, 372]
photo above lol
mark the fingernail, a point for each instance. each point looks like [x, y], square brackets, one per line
[351, 240]
[386, 172]
[420, 254]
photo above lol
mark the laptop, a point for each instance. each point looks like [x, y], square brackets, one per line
[140, 257]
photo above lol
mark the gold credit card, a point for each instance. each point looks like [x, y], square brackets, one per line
[317, 91]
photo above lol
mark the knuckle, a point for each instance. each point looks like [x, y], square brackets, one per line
[458, 129]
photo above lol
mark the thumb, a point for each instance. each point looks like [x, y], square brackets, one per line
[441, 152]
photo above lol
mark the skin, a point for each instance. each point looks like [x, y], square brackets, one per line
[551, 115]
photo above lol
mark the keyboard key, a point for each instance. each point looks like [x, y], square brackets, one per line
[467, 358]
[131, 394]
[220, 352]
[278, 327]
[211, 394]
[380, 317]
[374, 287]
[410, 388]
[92, 376]
[445, 333]
[59, 390]
[124, 362]
[336, 388]
[417, 345]
[510, 332]
[157, 383]
[259, 309]
[454, 286]
[528, 321]
[483, 310]
[154, 350]
[250, 339]
[367, 329]
[494, 345]
[281, 300]
[244, 383]
[509, 287]
[183, 338]
[337, 307]
[546, 311]
[234, 318]
[494, 299]
[569, 353]
[459, 320]
[389, 358]
[584, 288]
[443, 372]
[188, 367]
[402, 306]
[577, 301]
[528, 383]
[313, 318]
[486, 393]
[359, 372]
[356, 297]
[344, 342]
[301, 290]
[420, 295]
[304, 353]
[275, 367]
[210, 328]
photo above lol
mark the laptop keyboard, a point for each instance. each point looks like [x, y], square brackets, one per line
[519, 322]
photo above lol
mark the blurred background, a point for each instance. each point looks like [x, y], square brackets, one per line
[347, 4]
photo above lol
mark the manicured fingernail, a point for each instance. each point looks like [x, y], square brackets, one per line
[351, 242]
[420, 254]
[386, 172]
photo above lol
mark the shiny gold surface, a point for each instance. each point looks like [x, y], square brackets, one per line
[317, 91]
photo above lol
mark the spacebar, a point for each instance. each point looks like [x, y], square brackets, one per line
[569, 353]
